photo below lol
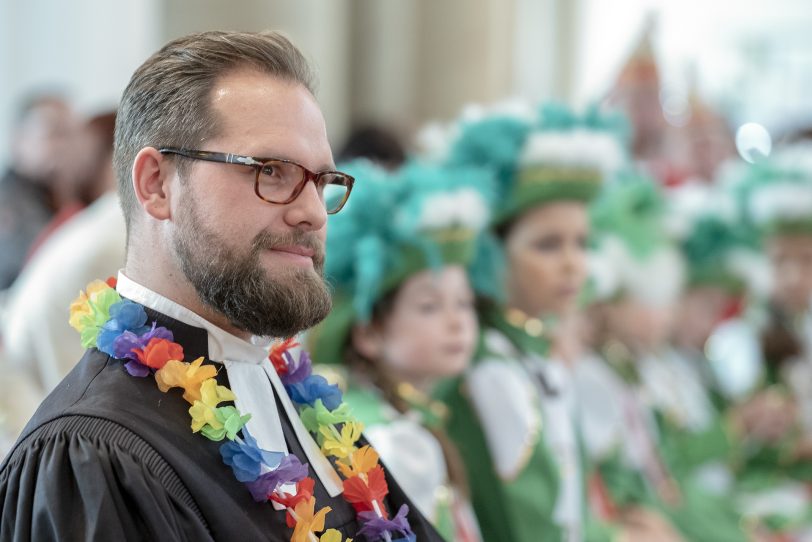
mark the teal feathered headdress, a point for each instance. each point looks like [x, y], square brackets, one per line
[719, 253]
[775, 196]
[631, 252]
[555, 155]
[394, 225]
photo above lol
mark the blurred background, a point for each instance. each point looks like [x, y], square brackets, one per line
[402, 63]
[698, 81]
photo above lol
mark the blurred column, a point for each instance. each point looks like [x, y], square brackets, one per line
[465, 54]
[545, 46]
[384, 70]
[320, 28]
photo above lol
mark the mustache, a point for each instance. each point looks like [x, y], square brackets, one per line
[267, 240]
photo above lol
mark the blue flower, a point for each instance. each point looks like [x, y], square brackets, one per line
[124, 316]
[246, 458]
[315, 387]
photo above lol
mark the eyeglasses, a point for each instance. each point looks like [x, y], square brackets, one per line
[281, 181]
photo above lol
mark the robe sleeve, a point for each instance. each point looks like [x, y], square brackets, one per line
[86, 478]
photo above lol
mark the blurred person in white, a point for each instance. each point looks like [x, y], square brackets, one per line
[88, 173]
[39, 346]
[41, 166]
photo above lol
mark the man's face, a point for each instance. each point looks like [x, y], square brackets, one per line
[258, 264]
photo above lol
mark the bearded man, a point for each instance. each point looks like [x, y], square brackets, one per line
[226, 179]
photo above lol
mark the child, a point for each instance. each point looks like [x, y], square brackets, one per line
[404, 317]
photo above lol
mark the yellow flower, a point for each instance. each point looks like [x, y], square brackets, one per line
[204, 410]
[332, 535]
[359, 462]
[202, 415]
[344, 445]
[306, 521]
[190, 377]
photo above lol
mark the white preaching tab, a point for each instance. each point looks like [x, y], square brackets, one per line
[255, 396]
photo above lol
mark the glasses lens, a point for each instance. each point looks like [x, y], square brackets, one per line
[335, 191]
[277, 180]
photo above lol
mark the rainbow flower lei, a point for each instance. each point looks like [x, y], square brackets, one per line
[118, 327]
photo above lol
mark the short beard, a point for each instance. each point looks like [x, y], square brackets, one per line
[238, 287]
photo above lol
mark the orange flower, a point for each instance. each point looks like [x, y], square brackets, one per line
[189, 376]
[304, 491]
[158, 352]
[361, 494]
[307, 521]
[360, 462]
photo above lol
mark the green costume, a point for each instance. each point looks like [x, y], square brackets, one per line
[396, 225]
[680, 450]
[512, 412]
[775, 200]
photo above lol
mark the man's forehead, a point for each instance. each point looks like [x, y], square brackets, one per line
[270, 116]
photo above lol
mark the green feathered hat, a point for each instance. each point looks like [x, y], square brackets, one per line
[631, 253]
[555, 154]
[718, 249]
[775, 195]
[394, 225]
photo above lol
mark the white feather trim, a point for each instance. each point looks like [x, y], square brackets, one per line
[576, 148]
[657, 281]
[464, 207]
[785, 200]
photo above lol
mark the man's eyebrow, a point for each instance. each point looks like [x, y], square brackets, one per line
[265, 157]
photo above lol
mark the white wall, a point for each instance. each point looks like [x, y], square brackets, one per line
[88, 48]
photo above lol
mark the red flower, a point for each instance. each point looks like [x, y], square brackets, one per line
[304, 491]
[361, 494]
[277, 358]
[111, 282]
[158, 352]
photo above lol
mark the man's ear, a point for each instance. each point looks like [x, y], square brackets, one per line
[367, 341]
[151, 177]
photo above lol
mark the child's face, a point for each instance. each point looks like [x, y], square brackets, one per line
[431, 330]
[640, 325]
[791, 260]
[700, 310]
[546, 254]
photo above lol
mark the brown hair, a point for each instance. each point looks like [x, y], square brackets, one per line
[167, 102]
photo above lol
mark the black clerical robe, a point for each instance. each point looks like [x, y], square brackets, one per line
[108, 456]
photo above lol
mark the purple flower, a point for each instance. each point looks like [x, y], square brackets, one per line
[375, 526]
[246, 458]
[297, 370]
[289, 471]
[128, 341]
[315, 387]
[124, 316]
[135, 368]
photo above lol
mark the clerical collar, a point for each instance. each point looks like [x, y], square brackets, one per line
[222, 344]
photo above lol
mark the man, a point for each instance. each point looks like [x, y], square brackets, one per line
[108, 456]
